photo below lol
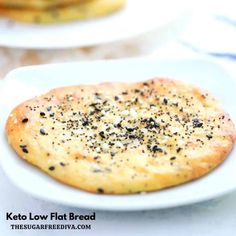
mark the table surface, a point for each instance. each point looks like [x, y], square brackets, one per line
[215, 217]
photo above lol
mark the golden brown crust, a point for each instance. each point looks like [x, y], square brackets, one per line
[121, 138]
[74, 11]
[37, 4]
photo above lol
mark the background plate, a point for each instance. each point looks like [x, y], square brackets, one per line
[138, 17]
[26, 82]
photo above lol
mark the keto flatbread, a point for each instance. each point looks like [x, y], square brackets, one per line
[122, 138]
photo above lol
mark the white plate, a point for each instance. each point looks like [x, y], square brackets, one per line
[26, 82]
[138, 17]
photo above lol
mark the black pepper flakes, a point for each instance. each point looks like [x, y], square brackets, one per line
[102, 134]
[197, 123]
[85, 122]
[119, 125]
[62, 164]
[209, 136]
[165, 101]
[132, 131]
[42, 131]
[23, 146]
[178, 150]
[112, 154]
[129, 129]
[51, 168]
[25, 150]
[150, 123]
[156, 149]
[25, 120]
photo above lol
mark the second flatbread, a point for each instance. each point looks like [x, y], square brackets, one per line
[78, 11]
[37, 4]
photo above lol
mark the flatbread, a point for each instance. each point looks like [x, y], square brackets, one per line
[76, 11]
[37, 4]
[121, 138]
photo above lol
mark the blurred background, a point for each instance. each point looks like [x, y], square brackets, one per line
[135, 28]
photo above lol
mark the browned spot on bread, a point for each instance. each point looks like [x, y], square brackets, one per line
[121, 138]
